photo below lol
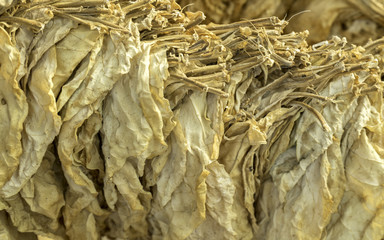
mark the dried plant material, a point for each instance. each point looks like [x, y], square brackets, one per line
[13, 111]
[133, 120]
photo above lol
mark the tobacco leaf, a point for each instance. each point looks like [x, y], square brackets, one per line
[14, 109]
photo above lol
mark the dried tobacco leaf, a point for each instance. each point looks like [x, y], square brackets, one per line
[14, 109]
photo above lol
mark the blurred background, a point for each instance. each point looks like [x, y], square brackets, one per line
[357, 20]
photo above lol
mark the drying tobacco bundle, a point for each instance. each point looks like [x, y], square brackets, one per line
[133, 120]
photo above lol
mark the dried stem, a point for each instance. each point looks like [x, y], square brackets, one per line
[315, 112]
[201, 86]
